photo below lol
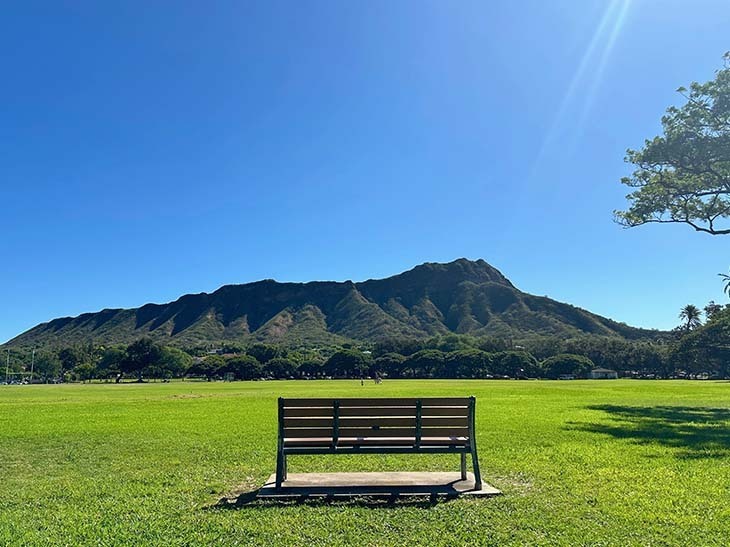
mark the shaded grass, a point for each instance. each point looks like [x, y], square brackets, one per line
[696, 432]
[587, 463]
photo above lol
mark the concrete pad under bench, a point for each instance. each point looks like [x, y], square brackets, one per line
[375, 484]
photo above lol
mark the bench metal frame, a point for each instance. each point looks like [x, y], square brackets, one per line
[465, 445]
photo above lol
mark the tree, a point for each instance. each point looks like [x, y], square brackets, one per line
[726, 283]
[566, 364]
[47, 365]
[515, 364]
[491, 344]
[683, 176]
[604, 351]
[401, 346]
[707, 348]
[141, 354]
[451, 342]
[232, 347]
[311, 368]
[424, 363]
[389, 364]
[692, 316]
[646, 358]
[174, 362]
[111, 362]
[466, 363]
[545, 346]
[84, 371]
[265, 352]
[69, 358]
[711, 309]
[281, 368]
[244, 367]
[347, 362]
[210, 366]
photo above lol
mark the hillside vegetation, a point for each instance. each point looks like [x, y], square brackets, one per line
[465, 297]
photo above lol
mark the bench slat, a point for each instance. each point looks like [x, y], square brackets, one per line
[350, 432]
[376, 421]
[308, 412]
[351, 422]
[410, 421]
[365, 412]
[308, 422]
[359, 402]
[305, 433]
[355, 411]
[453, 431]
[401, 411]
[326, 442]
[309, 432]
[462, 412]
[443, 421]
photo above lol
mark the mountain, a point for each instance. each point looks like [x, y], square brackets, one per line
[462, 296]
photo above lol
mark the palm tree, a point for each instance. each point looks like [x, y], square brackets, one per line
[691, 315]
[726, 281]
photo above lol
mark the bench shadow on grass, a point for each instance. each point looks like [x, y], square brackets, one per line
[391, 501]
[694, 432]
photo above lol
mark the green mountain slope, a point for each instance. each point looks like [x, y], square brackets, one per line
[462, 296]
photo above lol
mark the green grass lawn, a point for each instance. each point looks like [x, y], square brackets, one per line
[580, 463]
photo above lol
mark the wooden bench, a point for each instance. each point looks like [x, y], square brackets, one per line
[427, 425]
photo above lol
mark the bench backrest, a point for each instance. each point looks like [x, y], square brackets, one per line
[415, 418]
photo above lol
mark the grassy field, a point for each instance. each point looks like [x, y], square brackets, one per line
[580, 463]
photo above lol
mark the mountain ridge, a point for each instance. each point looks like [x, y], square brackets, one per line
[462, 296]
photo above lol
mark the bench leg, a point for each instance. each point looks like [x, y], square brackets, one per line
[463, 466]
[280, 469]
[475, 464]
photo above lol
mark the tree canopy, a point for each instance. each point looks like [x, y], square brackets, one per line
[707, 348]
[683, 176]
[141, 354]
[566, 364]
[347, 361]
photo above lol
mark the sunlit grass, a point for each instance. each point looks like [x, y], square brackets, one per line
[602, 463]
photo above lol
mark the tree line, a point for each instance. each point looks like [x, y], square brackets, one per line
[692, 350]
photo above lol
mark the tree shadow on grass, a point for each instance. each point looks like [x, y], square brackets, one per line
[695, 432]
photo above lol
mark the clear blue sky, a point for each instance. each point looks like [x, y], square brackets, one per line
[151, 149]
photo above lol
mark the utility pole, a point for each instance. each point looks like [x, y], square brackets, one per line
[7, 366]
[32, 362]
